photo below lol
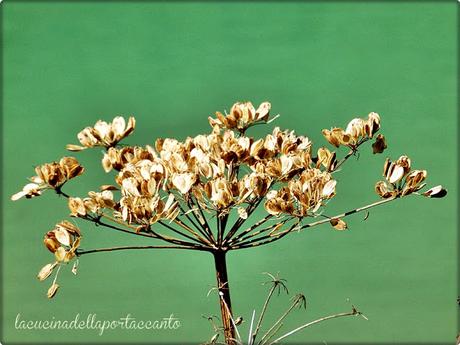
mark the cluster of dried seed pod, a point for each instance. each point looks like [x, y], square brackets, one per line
[104, 134]
[50, 175]
[219, 172]
[63, 241]
[400, 180]
[357, 130]
[242, 116]
[94, 203]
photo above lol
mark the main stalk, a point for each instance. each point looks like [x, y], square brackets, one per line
[224, 296]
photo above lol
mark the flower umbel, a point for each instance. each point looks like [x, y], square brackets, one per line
[50, 176]
[63, 241]
[105, 134]
[198, 193]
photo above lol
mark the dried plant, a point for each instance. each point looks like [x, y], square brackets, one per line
[271, 336]
[200, 194]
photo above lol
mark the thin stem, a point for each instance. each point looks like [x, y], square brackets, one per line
[177, 241]
[219, 229]
[240, 221]
[349, 154]
[206, 224]
[278, 327]
[262, 313]
[188, 217]
[203, 224]
[198, 228]
[250, 327]
[351, 313]
[261, 231]
[112, 249]
[269, 239]
[153, 234]
[197, 238]
[255, 242]
[113, 227]
[264, 339]
[248, 230]
[105, 215]
[345, 214]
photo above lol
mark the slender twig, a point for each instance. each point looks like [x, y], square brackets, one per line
[112, 249]
[197, 227]
[251, 228]
[176, 241]
[345, 214]
[272, 331]
[349, 154]
[197, 238]
[262, 313]
[219, 229]
[98, 222]
[268, 239]
[240, 221]
[250, 328]
[115, 220]
[351, 313]
[185, 214]
[153, 234]
[255, 242]
[261, 231]
[206, 224]
[275, 330]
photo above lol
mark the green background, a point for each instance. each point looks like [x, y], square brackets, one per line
[67, 64]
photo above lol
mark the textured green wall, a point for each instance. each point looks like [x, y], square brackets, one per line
[67, 64]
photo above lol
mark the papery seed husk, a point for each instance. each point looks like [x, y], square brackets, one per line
[52, 290]
[46, 271]
[436, 192]
[338, 224]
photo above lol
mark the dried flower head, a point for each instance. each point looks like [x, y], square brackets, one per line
[356, 131]
[95, 203]
[400, 180]
[176, 190]
[50, 175]
[104, 134]
[63, 241]
[242, 116]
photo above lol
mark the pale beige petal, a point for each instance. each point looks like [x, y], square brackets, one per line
[397, 174]
[129, 186]
[62, 236]
[184, 182]
[118, 126]
[329, 189]
[102, 128]
[263, 111]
